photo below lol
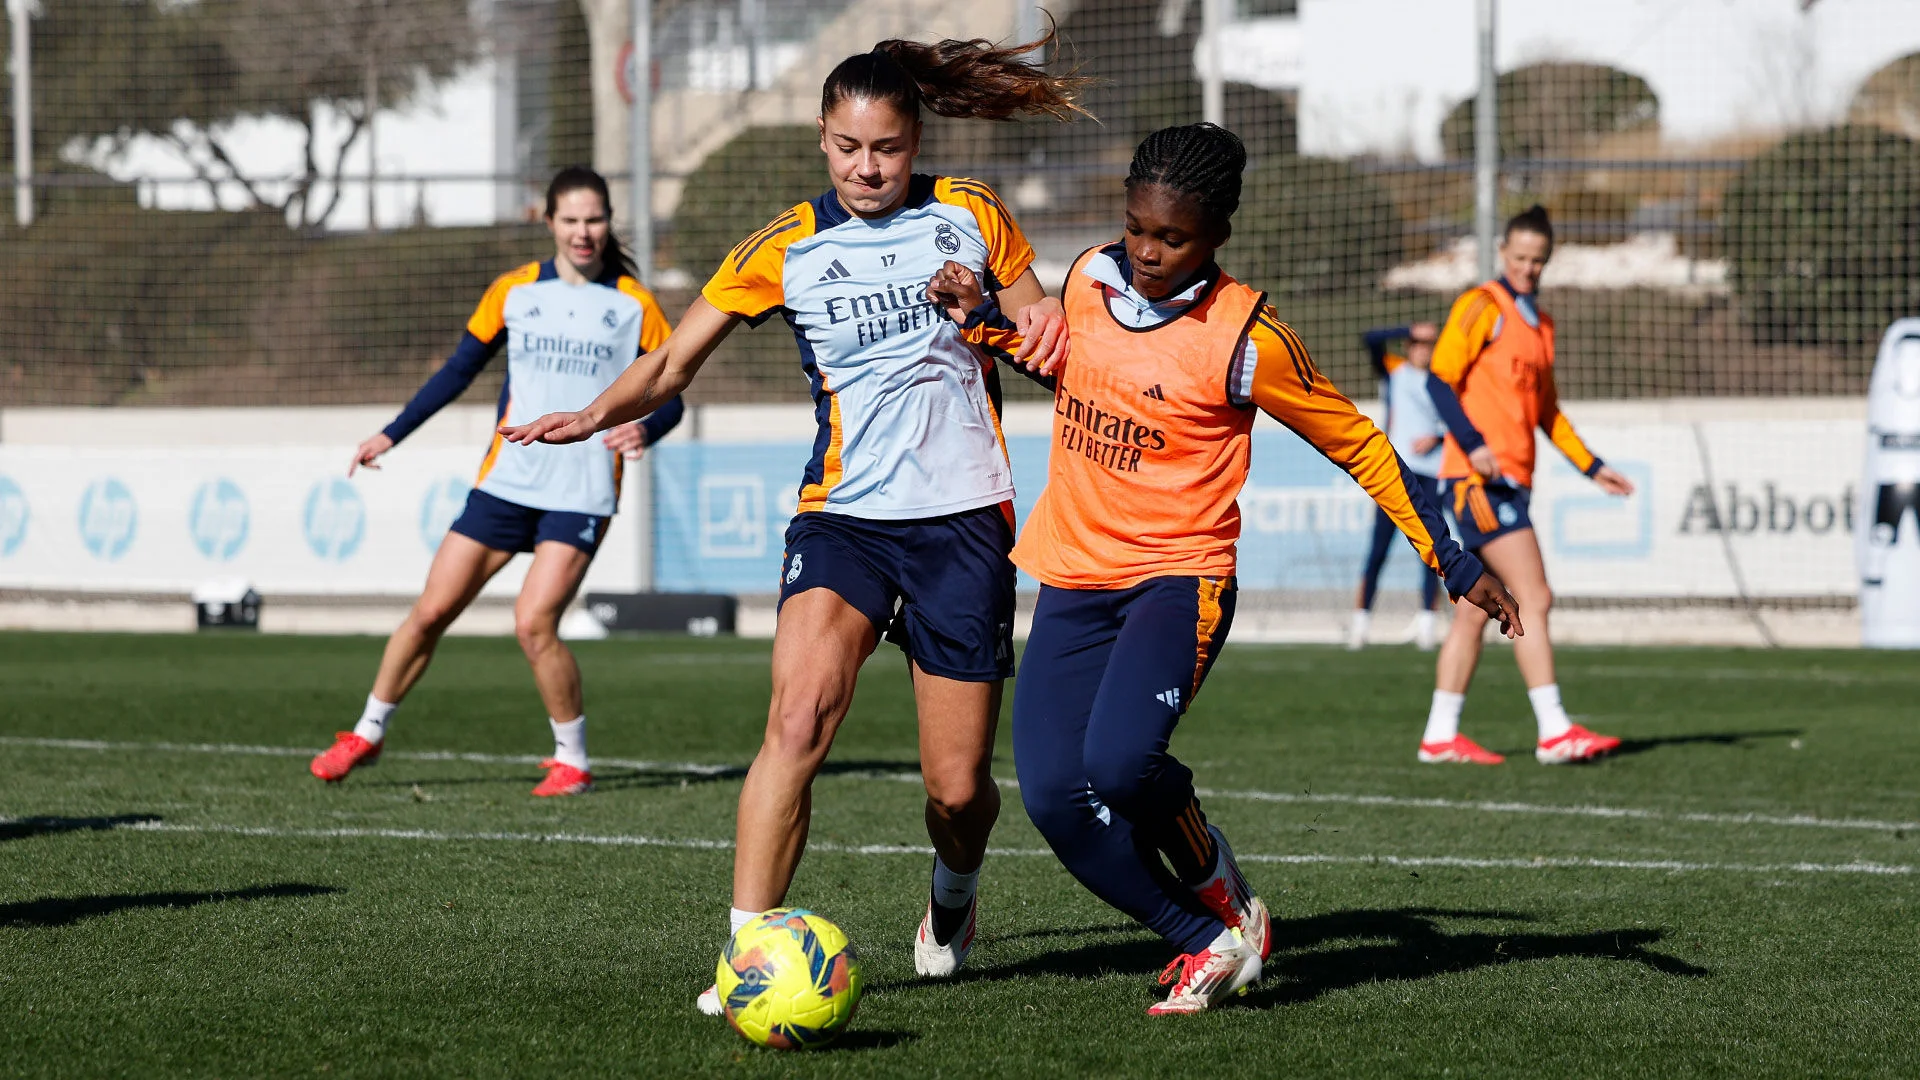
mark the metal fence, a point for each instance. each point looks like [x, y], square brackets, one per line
[276, 201]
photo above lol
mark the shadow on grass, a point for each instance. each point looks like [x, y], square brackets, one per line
[21, 828]
[620, 779]
[67, 910]
[1718, 738]
[1319, 954]
[1408, 944]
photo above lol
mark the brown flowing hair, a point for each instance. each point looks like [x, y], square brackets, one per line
[963, 79]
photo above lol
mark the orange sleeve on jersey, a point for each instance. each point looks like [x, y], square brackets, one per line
[1393, 362]
[1008, 252]
[654, 326]
[1469, 327]
[490, 317]
[749, 282]
[1559, 429]
[1287, 387]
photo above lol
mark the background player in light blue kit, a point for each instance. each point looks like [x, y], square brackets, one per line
[570, 326]
[1420, 411]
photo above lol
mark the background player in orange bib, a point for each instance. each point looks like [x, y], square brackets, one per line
[1496, 351]
[1134, 540]
[905, 518]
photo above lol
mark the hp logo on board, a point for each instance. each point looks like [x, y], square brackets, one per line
[442, 503]
[217, 519]
[336, 520]
[13, 517]
[108, 517]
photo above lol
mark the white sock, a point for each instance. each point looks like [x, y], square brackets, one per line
[737, 918]
[373, 722]
[1548, 712]
[1424, 623]
[950, 889]
[570, 742]
[1357, 629]
[1443, 719]
[1223, 942]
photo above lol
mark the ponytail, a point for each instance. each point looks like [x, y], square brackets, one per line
[617, 261]
[963, 79]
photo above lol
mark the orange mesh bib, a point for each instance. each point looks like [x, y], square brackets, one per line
[1148, 454]
[1501, 392]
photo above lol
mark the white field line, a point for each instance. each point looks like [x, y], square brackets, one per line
[690, 768]
[617, 840]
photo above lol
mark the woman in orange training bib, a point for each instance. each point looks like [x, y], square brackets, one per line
[1133, 541]
[1496, 351]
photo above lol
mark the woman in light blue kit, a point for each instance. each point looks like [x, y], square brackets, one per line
[1420, 411]
[570, 326]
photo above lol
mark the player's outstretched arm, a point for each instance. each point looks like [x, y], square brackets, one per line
[1559, 431]
[647, 383]
[1039, 320]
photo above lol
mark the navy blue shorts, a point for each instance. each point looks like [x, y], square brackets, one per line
[506, 526]
[940, 588]
[1486, 510]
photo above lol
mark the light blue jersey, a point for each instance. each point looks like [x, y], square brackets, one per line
[1411, 416]
[907, 406]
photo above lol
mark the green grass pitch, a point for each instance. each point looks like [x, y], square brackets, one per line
[1734, 895]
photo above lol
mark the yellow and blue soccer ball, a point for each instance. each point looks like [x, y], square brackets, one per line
[789, 980]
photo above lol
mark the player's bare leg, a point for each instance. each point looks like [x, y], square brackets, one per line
[549, 587]
[1515, 559]
[818, 648]
[957, 725]
[459, 570]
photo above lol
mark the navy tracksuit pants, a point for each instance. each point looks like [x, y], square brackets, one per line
[1105, 677]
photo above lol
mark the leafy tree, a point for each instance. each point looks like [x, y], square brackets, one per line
[1557, 110]
[109, 71]
[1822, 236]
[740, 187]
[1312, 227]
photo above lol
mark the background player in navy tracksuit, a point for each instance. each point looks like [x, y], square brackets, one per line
[1420, 411]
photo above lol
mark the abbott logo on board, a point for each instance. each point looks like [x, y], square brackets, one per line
[108, 518]
[336, 520]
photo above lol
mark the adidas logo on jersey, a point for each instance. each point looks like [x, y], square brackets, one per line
[1154, 392]
[1169, 698]
[836, 271]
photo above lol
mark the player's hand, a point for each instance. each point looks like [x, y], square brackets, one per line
[1483, 462]
[1612, 482]
[627, 440]
[1425, 444]
[957, 290]
[1493, 598]
[1043, 336]
[367, 454]
[559, 427]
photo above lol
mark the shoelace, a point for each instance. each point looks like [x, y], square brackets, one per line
[1186, 964]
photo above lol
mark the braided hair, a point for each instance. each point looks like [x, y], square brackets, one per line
[1203, 161]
